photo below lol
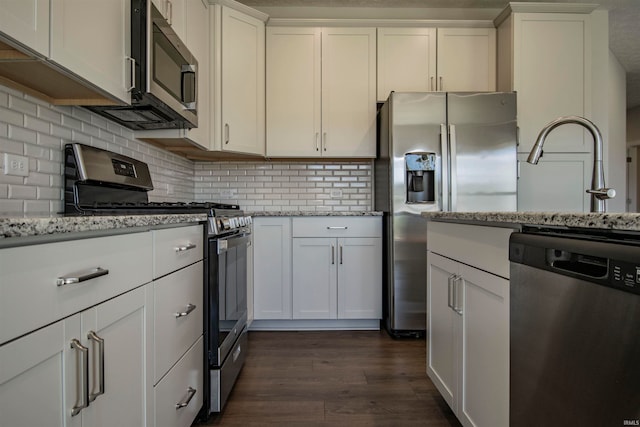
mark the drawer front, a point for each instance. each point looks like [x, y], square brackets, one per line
[177, 315]
[336, 226]
[183, 381]
[30, 296]
[175, 248]
[486, 248]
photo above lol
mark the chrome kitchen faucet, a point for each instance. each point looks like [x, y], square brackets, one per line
[599, 193]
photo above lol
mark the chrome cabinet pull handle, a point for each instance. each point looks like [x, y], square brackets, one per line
[190, 393]
[456, 281]
[187, 247]
[94, 337]
[132, 71]
[450, 291]
[169, 12]
[317, 136]
[431, 83]
[226, 133]
[83, 395]
[82, 277]
[340, 254]
[337, 228]
[441, 86]
[190, 308]
[324, 141]
[333, 254]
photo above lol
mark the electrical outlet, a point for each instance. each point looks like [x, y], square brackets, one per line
[336, 194]
[228, 193]
[16, 165]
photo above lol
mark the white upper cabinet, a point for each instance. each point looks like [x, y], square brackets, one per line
[406, 60]
[92, 40]
[175, 12]
[293, 91]
[546, 58]
[430, 59]
[349, 92]
[321, 86]
[27, 22]
[466, 59]
[240, 86]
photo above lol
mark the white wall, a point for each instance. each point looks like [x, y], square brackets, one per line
[616, 156]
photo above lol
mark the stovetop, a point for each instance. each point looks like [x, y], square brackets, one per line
[142, 207]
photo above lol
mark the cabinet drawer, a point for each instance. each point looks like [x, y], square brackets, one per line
[486, 248]
[29, 278]
[333, 226]
[184, 379]
[177, 315]
[175, 248]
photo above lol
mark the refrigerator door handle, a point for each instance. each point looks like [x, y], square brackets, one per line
[444, 150]
[454, 168]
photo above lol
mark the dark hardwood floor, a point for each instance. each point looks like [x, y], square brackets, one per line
[341, 378]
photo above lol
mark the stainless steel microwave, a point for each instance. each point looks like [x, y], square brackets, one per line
[164, 76]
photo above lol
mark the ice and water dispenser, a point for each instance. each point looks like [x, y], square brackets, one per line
[420, 170]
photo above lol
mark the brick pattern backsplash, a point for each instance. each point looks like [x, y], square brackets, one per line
[317, 186]
[37, 130]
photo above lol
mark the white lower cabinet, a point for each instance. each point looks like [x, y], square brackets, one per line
[337, 278]
[272, 268]
[468, 322]
[178, 323]
[317, 269]
[95, 358]
[178, 396]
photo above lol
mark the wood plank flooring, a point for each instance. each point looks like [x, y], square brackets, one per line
[336, 378]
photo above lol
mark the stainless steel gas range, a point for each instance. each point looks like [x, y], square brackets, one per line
[100, 182]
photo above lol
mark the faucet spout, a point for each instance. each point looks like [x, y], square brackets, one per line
[598, 192]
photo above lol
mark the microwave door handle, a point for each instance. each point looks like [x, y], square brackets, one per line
[189, 70]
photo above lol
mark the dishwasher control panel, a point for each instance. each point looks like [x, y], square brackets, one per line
[625, 275]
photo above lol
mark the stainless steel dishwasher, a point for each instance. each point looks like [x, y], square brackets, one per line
[574, 329]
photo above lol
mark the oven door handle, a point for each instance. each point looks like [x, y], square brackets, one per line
[231, 242]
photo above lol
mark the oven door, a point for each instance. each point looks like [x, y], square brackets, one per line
[227, 294]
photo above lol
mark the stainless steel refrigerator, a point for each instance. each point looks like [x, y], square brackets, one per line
[437, 151]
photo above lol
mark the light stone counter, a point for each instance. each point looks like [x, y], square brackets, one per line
[15, 231]
[308, 213]
[606, 221]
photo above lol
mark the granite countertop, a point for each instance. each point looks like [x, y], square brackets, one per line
[606, 221]
[315, 213]
[23, 227]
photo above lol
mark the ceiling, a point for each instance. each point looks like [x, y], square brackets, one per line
[624, 30]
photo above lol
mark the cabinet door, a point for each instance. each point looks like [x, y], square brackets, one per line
[243, 82]
[197, 39]
[484, 397]
[314, 278]
[272, 268]
[359, 278]
[123, 324]
[293, 92]
[177, 18]
[443, 325]
[557, 183]
[406, 60]
[466, 59]
[349, 92]
[552, 75]
[32, 379]
[27, 22]
[97, 59]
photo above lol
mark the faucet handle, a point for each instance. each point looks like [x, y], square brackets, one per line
[603, 193]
